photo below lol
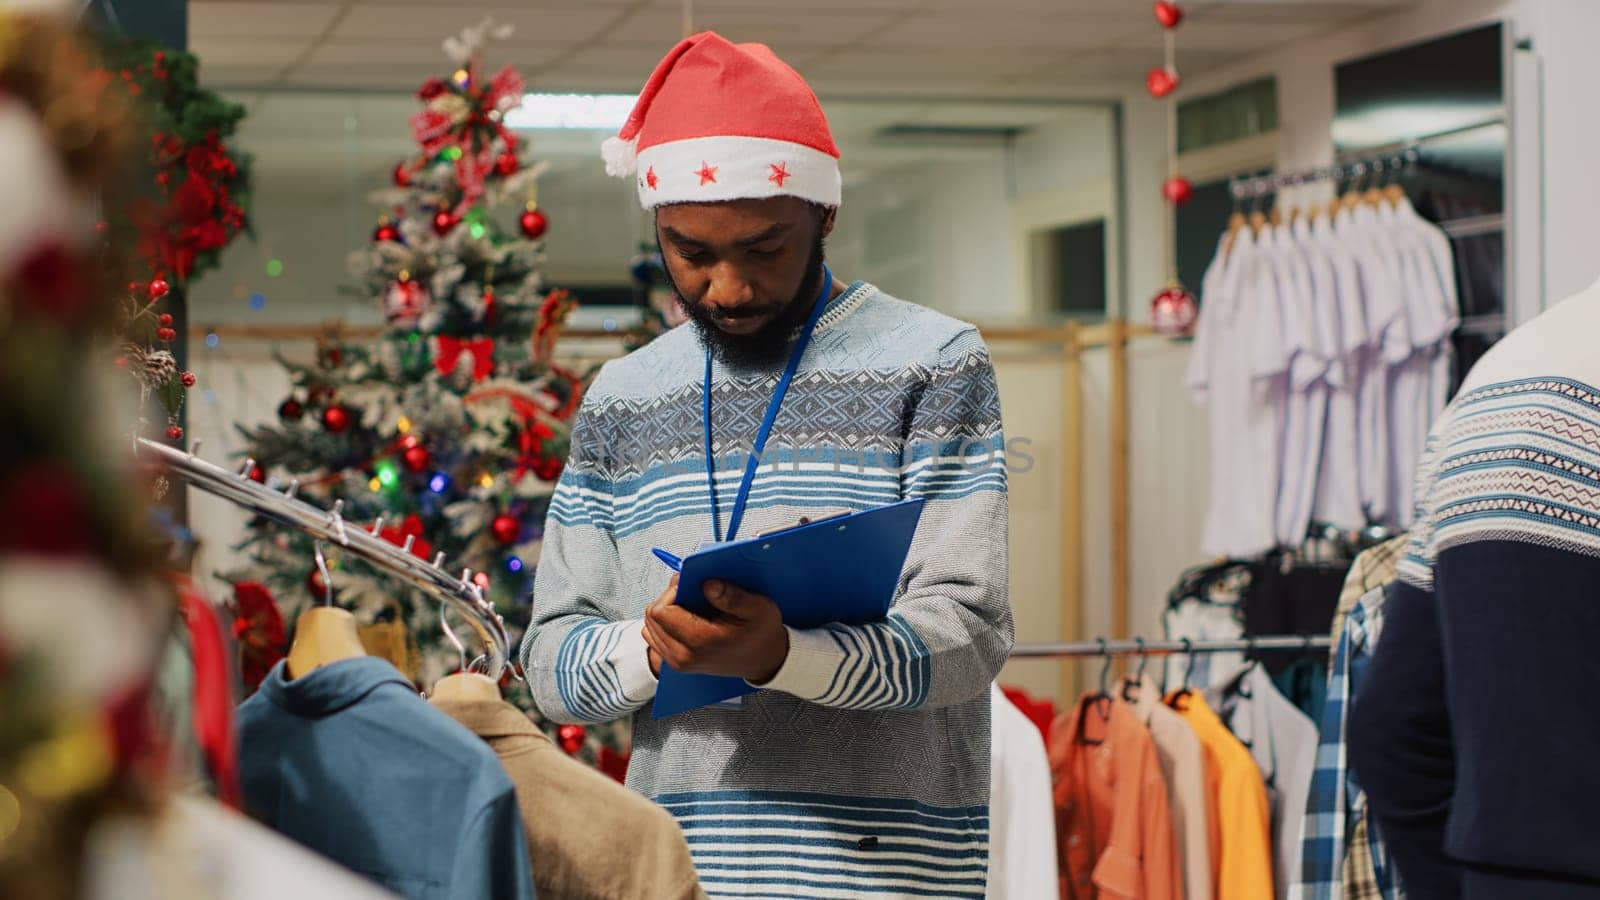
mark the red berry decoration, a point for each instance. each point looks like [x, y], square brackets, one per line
[1178, 190]
[505, 529]
[1160, 82]
[290, 410]
[258, 474]
[507, 163]
[533, 224]
[1173, 312]
[166, 334]
[188, 379]
[335, 419]
[174, 433]
[387, 233]
[402, 175]
[166, 318]
[571, 737]
[1168, 14]
[158, 288]
[135, 287]
[443, 221]
[416, 458]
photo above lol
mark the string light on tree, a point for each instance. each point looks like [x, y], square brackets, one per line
[387, 473]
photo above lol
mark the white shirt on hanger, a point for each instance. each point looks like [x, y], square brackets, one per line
[1306, 402]
[1339, 491]
[1022, 818]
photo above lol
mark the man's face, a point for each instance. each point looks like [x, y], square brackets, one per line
[746, 271]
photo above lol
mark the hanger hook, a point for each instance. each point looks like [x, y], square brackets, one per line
[1105, 669]
[1144, 658]
[450, 635]
[322, 569]
[1188, 670]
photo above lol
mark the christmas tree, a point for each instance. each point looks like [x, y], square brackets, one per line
[446, 434]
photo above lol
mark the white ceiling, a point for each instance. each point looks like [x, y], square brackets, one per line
[1016, 48]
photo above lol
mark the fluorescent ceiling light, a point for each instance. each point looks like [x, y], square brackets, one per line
[600, 112]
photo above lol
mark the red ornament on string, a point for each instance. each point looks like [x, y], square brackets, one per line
[386, 233]
[416, 458]
[158, 288]
[402, 175]
[1168, 14]
[188, 379]
[1178, 190]
[443, 221]
[166, 318]
[1173, 312]
[533, 224]
[335, 419]
[290, 410]
[571, 738]
[505, 529]
[174, 433]
[489, 310]
[507, 164]
[1160, 82]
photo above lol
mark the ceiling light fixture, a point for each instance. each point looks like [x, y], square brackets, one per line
[597, 112]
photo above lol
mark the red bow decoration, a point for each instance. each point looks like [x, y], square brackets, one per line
[447, 122]
[411, 526]
[530, 441]
[450, 350]
[213, 696]
[258, 629]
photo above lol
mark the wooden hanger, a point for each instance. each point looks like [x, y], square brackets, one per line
[323, 634]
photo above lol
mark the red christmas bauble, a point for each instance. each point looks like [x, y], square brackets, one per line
[416, 458]
[290, 410]
[1173, 312]
[1160, 82]
[316, 586]
[1178, 190]
[505, 529]
[402, 175]
[188, 379]
[507, 163]
[533, 224]
[166, 318]
[258, 474]
[1168, 14]
[158, 288]
[335, 419]
[443, 221]
[571, 738]
[174, 433]
[386, 233]
[549, 468]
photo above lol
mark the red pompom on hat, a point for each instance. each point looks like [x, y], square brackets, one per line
[723, 121]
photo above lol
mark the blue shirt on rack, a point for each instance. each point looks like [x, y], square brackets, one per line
[350, 761]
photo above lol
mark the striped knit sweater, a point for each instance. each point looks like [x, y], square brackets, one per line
[863, 768]
[1475, 732]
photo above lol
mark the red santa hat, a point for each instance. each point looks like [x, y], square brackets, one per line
[724, 121]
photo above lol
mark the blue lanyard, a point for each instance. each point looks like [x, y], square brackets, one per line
[766, 422]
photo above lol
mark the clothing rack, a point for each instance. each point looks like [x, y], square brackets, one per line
[460, 593]
[1141, 647]
[1245, 186]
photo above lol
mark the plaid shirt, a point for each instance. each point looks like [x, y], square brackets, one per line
[1342, 855]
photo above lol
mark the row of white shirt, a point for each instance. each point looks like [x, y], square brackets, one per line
[1323, 353]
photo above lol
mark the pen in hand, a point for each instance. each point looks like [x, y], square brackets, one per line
[672, 562]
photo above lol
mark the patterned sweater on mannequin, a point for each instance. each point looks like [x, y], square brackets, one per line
[864, 765]
[1475, 731]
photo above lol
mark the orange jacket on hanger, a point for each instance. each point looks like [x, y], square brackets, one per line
[1240, 819]
[1113, 825]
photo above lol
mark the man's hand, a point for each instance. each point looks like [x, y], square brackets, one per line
[745, 638]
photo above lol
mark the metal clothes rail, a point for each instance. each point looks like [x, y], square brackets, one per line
[460, 593]
[1139, 646]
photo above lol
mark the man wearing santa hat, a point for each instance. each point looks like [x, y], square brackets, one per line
[862, 764]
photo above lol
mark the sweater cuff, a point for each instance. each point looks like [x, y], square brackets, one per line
[632, 659]
[814, 661]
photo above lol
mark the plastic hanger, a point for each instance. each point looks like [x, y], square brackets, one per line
[1184, 691]
[324, 633]
[464, 686]
[1099, 702]
[1130, 686]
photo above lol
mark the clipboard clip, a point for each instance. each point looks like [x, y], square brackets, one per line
[804, 520]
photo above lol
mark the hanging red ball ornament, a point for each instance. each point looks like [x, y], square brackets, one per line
[166, 318]
[1160, 82]
[335, 419]
[443, 221]
[188, 379]
[533, 224]
[416, 458]
[505, 529]
[507, 164]
[166, 334]
[402, 175]
[1173, 312]
[158, 288]
[549, 468]
[1168, 14]
[258, 474]
[174, 433]
[1178, 190]
[290, 410]
[386, 233]
[571, 738]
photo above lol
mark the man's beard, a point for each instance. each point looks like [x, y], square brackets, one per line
[768, 347]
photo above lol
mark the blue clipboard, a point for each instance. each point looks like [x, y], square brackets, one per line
[841, 569]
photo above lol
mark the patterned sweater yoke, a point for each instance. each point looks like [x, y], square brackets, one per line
[863, 767]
